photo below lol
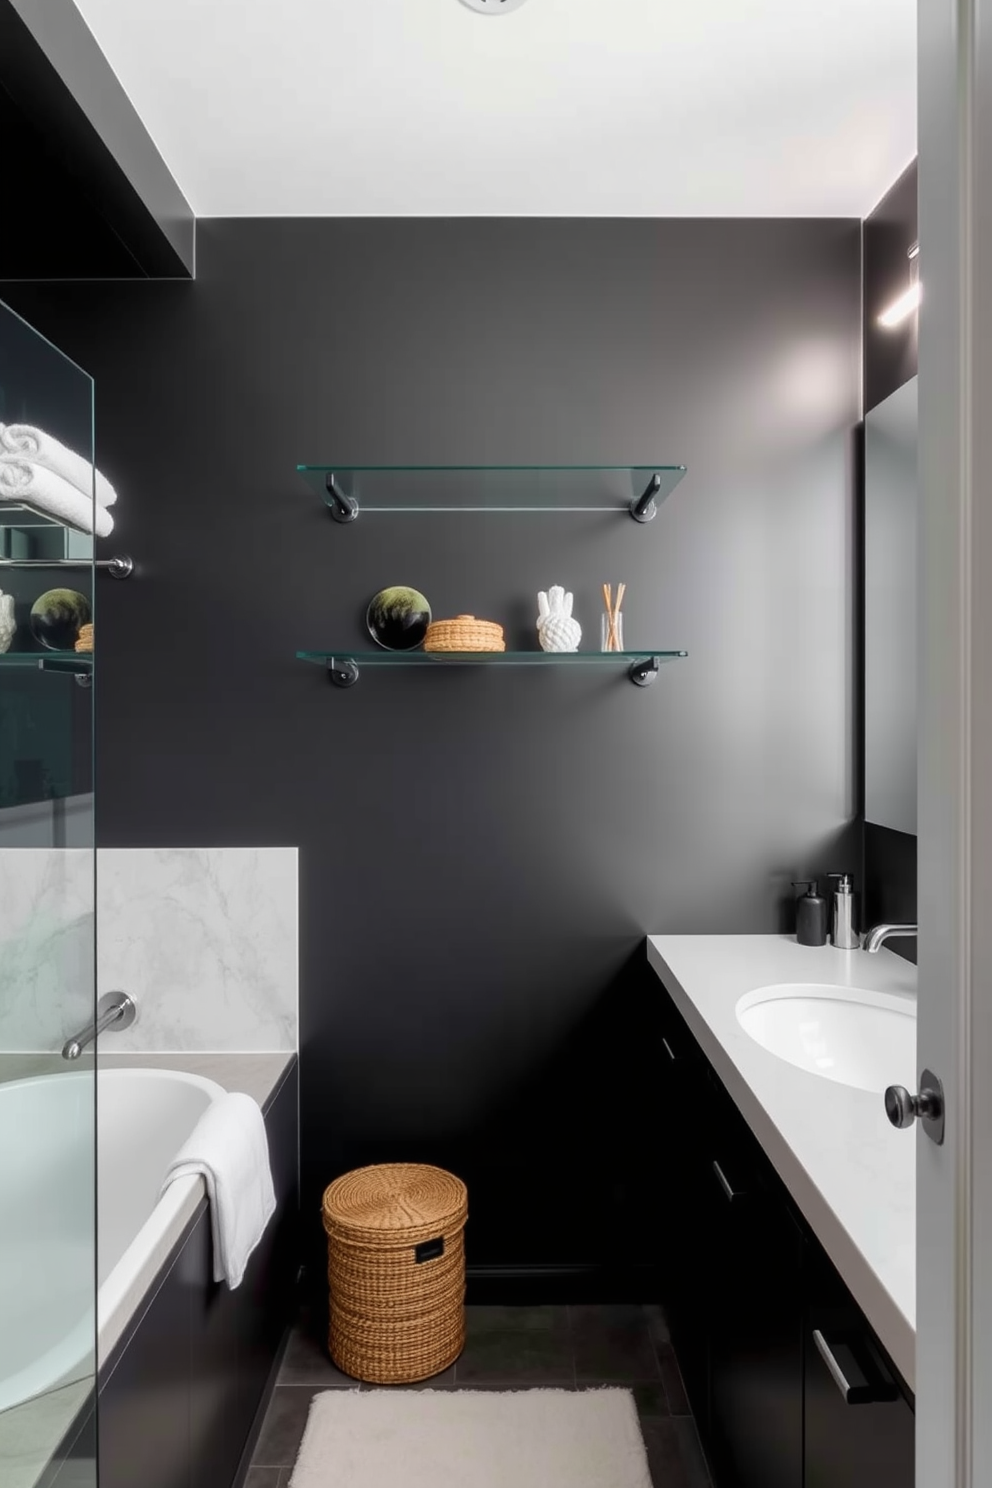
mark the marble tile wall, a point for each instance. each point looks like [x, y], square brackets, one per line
[204, 939]
[46, 945]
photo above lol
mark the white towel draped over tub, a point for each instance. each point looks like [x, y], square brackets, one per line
[51, 496]
[230, 1149]
[28, 443]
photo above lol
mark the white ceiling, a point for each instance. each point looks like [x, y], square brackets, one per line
[644, 108]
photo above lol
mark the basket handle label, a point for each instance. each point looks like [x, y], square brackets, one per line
[429, 1250]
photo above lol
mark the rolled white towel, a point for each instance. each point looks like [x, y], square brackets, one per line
[230, 1149]
[49, 494]
[29, 443]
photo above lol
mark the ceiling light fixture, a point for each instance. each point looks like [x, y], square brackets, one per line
[493, 7]
[909, 300]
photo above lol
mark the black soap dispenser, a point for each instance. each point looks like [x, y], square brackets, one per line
[811, 915]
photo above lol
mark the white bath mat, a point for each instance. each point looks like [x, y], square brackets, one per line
[472, 1439]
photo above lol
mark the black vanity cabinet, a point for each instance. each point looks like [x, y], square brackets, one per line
[735, 1258]
[787, 1383]
[860, 1430]
[685, 1107]
[755, 1434]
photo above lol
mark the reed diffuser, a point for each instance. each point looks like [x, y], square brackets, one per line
[611, 628]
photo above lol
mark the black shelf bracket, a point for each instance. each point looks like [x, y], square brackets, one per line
[342, 508]
[81, 670]
[644, 508]
[643, 673]
[342, 671]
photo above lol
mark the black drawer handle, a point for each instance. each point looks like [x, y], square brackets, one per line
[730, 1192]
[668, 1050]
[856, 1384]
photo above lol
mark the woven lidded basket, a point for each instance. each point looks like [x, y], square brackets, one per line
[464, 633]
[396, 1271]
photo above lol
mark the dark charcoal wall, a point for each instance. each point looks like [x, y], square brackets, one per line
[890, 360]
[483, 852]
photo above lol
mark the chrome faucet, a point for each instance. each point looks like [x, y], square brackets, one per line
[114, 1010]
[875, 939]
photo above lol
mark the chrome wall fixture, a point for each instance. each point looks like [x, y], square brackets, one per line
[121, 567]
[115, 1010]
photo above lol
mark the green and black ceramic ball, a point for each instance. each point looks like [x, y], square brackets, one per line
[398, 618]
[57, 618]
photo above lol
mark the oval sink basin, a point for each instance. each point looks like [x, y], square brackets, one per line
[863, 1039]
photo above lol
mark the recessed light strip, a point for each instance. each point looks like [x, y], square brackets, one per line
[909, 300]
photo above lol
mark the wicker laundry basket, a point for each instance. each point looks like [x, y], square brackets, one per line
[396, 1271]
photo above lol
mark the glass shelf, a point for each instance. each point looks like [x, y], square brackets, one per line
[345, 666]
[28, 539]
[634, 489]
[47, 661]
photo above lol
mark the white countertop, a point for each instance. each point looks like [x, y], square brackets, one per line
[852, 1175]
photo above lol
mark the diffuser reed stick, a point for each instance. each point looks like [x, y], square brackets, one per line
[612, 627]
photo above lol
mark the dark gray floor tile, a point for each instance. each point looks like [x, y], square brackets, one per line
[613, 1345]
[651, 1399]
[282, 1430]
[657, 1323]
[649, 1395]
[673, 1462]
[307, 1362]
[525, 1357]
[678, 1401]
[436, 1382]
[692, 1452]
[515, 1319]
[264, 1477]
[497, 1387]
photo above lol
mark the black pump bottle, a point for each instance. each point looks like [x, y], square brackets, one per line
[811, 915]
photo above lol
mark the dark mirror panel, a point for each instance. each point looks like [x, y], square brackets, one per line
[891, 503]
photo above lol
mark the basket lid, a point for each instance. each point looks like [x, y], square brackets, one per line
[391, 1201]
[459, 621]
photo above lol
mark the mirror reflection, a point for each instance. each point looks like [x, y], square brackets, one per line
[891, 518]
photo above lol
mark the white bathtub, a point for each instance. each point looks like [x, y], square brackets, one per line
[142, 1118]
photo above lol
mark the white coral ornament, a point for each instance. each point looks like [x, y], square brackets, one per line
[556, 630]
[8, 624]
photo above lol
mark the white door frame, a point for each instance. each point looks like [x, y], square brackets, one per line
[954, 1194]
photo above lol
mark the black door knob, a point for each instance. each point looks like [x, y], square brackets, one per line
[903, 1108]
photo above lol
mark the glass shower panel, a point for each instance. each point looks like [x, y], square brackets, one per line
[47, 917]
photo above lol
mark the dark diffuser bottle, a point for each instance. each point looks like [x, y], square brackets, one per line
[811, 915]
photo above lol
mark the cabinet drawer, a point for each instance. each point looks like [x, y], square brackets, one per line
[755, 1327]
[860, 1429]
